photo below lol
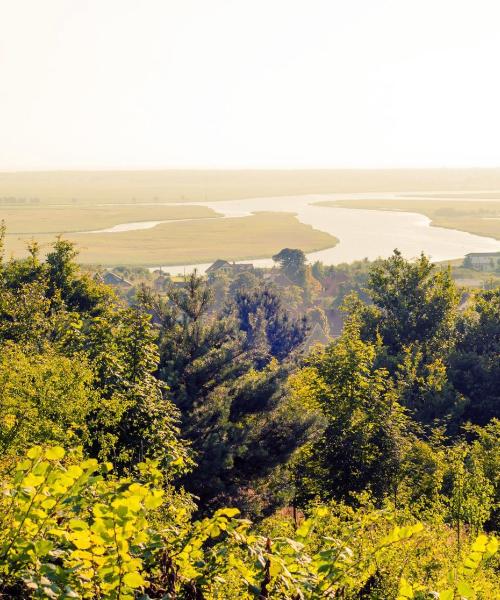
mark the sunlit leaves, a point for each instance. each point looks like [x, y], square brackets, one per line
[67, 532]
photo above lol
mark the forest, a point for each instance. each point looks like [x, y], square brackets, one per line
[187, 443]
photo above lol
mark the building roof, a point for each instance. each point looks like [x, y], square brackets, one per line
[483, 254]
[217, 265]
[236, 267]
[114, 279]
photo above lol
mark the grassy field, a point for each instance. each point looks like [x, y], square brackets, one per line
[88, 187]
[71, 219]
[479, 217]
[259, 235]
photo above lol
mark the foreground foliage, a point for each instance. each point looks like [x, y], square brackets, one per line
[71, 530]
[370, 467]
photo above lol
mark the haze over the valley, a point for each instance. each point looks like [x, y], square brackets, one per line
[174, 132]
[268, 83]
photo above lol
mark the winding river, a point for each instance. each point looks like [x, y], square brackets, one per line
[361, 233]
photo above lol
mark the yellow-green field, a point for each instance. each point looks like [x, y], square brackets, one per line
[202, 240]
[75, 187]
[473, 216]
[71, 219]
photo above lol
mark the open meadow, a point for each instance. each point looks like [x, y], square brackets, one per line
[198, 240]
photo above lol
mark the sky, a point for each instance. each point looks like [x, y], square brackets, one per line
[249, 83]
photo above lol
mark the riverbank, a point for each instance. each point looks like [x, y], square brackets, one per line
[478, 217]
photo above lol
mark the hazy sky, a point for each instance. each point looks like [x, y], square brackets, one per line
[242, 83]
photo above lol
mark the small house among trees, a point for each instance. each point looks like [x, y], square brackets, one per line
[482, 261]
[115, 280]
[223, 267]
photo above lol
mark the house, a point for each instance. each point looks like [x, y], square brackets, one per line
[223, 267]
[316, 336]
[482, 261]
[115, 280]
[335, 321]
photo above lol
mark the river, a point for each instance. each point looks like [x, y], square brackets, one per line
[361, 233]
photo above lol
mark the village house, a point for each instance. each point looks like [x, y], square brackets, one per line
[115, 280]
[224, 267]
[482, 261]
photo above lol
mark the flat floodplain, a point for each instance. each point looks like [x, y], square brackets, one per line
[154, 220]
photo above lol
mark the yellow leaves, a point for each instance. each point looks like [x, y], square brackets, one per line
[8, 421]
[32, 481]
[136, 489]
[154, 500]
[89, 465]
[304, 530]
[213, 530]
[24, 465]
[321, 511]
[74, 471]
[34, 453]
[133, 580]
[55, 453]
[48, 503]
[81, 539]
[227, 512]
[275, 566]
[405, 590]
[399, 534]
[482, 549]
[77, 525]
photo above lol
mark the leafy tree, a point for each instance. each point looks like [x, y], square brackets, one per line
[44, 398]
[293, 264]
[416, 304]
[366, 431]
[475, 362]
[412, 320]
[56, 313]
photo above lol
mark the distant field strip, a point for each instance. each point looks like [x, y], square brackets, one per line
[472, 216]
[72, 219]
[91, 187]
[187, 242]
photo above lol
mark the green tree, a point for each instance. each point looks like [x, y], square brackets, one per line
[475, 362]
[293, 263]
[44, 398]
[416, 304]
[229, 389]
[366, 432]
[52, 310]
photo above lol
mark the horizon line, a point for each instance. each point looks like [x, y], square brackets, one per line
[83, 169]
